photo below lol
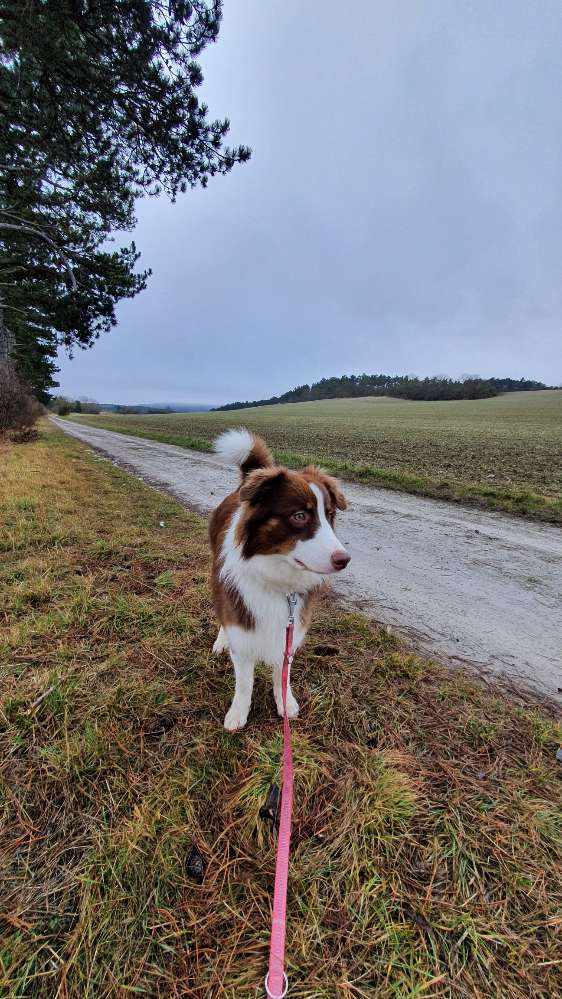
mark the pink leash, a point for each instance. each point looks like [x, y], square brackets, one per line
[276, 981]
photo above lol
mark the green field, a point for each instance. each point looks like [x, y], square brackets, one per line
[504, 452]
[427, 827]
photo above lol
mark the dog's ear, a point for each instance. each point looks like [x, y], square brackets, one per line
[329, 483]
[336, 495]
[260, 483]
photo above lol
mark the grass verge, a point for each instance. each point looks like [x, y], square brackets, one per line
[503, 453]
[427, 831]
[519, 502]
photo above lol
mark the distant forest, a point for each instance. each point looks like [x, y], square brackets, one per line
[399, 386]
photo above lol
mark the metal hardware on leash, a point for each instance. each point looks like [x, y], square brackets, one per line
[292, 602]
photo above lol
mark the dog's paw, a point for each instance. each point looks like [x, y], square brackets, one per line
[235, 718]
[292, 707]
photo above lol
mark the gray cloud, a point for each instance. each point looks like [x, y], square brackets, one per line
[402, 210]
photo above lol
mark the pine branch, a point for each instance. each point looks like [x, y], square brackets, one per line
[42, 235]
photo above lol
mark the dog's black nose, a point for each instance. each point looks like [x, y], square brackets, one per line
[340, 559]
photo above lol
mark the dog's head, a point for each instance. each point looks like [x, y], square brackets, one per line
[292, 514]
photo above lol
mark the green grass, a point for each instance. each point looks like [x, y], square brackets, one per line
[427, 836]
[504, 453]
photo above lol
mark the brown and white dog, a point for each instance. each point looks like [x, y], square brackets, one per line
[273, 536]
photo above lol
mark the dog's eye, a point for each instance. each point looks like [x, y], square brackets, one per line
[299, 518]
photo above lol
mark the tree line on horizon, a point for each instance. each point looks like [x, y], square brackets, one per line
[433, 389]
[63, 406]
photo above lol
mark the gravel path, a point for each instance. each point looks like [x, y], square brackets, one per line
[461, 584]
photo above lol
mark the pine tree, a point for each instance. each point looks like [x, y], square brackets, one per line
[98, 106]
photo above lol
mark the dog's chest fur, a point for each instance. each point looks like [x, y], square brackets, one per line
[261, 585]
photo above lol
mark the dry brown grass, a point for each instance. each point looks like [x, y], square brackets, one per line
[427, 836]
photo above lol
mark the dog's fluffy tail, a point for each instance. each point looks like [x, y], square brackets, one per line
[245, 449]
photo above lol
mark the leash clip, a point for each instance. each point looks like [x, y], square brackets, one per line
[292, 602]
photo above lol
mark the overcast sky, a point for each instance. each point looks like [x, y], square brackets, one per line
[402, 210]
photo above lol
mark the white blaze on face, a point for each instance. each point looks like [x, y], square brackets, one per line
[316, 553]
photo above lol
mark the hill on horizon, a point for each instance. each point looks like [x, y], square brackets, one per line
[397, 386]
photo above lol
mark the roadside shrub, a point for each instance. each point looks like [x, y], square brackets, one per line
[19, 411]
[63, 406]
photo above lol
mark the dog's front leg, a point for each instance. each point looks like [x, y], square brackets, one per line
[221, 642]
[237, 714]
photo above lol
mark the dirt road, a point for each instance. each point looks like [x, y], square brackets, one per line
[466, 585]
